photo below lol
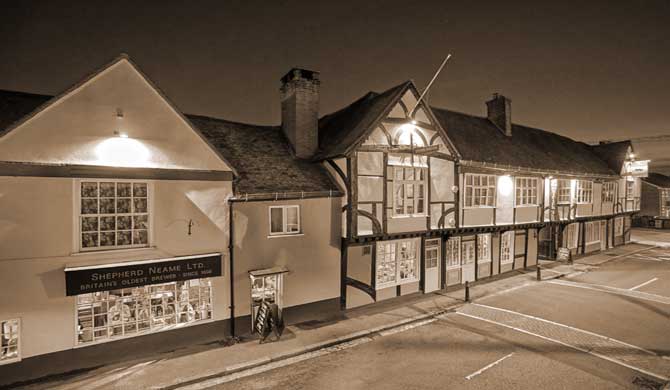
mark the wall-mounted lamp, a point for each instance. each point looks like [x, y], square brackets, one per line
[120, 134]
[119, 113]
[414, 122]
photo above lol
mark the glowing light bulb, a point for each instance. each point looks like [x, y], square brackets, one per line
[123, 152]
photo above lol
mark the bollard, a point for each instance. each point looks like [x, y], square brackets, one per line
[570, 258]
[539, 275]
[467, 291]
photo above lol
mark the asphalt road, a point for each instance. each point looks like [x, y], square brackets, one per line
[460, 351]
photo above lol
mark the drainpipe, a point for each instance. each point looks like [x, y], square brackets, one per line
[231, 250]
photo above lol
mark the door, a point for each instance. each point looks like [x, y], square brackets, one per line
[468, 261]
[546, 243]
[603, 235]
[265, 288]
[432, 266]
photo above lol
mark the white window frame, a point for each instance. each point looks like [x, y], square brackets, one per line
[432, 246]
[572, 236]
[609, 192]
[525, 191]
[285, 225]
[484, 251]
[17, 321]
[507, 247]
[77, 198]
[452, 252]
[151, 330]
[395, 245]
[584, 192]
[630, 189]
[468, 252]
[593, 232]
[563, 191]
[418, 187]
[474, 193]
[664, 195]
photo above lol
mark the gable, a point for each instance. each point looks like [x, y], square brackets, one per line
[400, 128]
[87, 125]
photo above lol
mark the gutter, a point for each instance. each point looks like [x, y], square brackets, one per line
[231, 249]
[507, 168]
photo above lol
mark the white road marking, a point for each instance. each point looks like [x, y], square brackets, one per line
[614, 290]
[108, 378]
[643, 284]
[646, 258]
[632, 253]
[474, 374]
[661, 377]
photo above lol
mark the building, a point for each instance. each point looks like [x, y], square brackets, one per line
[655, 202]
[123, 217]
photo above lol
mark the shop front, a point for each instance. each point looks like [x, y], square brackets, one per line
[128, 299]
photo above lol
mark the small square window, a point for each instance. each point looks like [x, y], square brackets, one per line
[284, 220]
[10, 332]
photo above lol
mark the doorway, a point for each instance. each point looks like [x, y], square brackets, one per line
[468, 261]
[265, 288]
[432, 266]
[546, 247]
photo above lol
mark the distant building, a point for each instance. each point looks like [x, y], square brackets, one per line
[655, 208]
[123, 217]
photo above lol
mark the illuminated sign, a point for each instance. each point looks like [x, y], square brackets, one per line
[636, 168]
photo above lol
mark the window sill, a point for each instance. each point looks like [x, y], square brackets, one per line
[409, 216]
[395, 284]
[478, 207]
[108, 251]
[286, 235]
[10, 361]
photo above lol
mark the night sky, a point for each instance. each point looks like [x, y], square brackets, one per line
[586, 69]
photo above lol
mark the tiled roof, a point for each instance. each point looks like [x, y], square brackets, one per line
[263, 159]
[613, 153]
[260, 154]
[478, 139]
[658, 179]
[15, 105]
[343, 129]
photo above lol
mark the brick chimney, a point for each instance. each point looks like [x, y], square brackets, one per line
[499, 111]
[300, 111]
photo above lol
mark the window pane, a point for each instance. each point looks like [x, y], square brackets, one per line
[276, 220]
[292, 223]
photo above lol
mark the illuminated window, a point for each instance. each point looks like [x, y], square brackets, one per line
[128, 312]
[609, 189]
[409, 189]
[484, 248]
[113, 214]
[630, 189]
[665, 203]
[284, 220]
[592, 232]
[526, 191]
[563, 191]
[397, 262]
[468, 252]
[9, 341]
[507, 247]
[479, 190]
[584, 192]
[453, 252]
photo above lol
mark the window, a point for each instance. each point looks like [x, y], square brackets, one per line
[592, 232]
[563, 191]
[484, 248]
[265, 288]
[526, 191]
[480, 190]
[107, 315]
[609, 189]
[397, 262]
[453, 252]
[9, 341]
[571, 235]
[284, 220]
[432, 253]
[630, 189]
[584, 191]
[665, 203]
[468, 252]
[507, 247]
[409, 189]
[618, 226]
[113, 214]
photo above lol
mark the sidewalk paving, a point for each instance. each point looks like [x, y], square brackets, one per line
[171, 370]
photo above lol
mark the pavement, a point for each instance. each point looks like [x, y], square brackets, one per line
[376, 326]
[656, 237]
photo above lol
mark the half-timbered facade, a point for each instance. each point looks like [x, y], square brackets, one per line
[655, 201]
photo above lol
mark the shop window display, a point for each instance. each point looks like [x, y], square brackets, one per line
[397, 262]
[112, 314]
[266, 288]
[9, 340]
